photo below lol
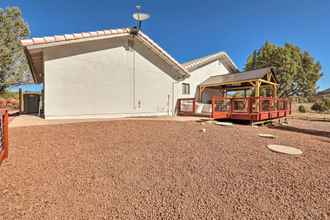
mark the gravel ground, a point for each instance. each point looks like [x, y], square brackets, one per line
[164, 170]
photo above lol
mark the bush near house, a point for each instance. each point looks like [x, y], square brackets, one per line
[322, 105]
[9, 100]
[301, 109]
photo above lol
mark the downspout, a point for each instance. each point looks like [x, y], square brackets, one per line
[133, 77]
[173, 98]
[176, 82]
[131, 43]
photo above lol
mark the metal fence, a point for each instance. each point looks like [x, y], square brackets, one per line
[4, 140]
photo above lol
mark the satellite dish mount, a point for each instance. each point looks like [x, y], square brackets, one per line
[139, 17]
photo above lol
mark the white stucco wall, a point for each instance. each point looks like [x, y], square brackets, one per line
[111, 82]
[200, 75]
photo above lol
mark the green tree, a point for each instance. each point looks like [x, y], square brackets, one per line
[296, 70]
[13, 65]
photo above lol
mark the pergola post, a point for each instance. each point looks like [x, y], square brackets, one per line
[201, 91]
[275, 96]
[222, 91]
[274, 91]
[257, 94]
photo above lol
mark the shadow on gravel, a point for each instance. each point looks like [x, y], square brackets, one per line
[325, 141]
[303, 130]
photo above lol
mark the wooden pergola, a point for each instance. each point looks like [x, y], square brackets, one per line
[250, 80]
[253, 107]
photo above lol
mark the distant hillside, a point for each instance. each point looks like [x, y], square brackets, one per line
[324, 92]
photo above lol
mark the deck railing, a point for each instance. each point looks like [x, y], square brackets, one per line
[186, 106]
[189, 106]
[249, 104]
[225, 107]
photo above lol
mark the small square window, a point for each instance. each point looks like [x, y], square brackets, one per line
[185, 88]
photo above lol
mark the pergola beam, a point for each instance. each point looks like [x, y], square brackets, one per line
[267, 82]
[240, 88]
[253, 84]
[231, 83]
[269, 77]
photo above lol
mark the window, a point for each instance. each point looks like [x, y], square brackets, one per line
[185, 88]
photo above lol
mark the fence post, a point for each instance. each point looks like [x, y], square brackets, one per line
[5, 140]
[212, 106]
[5, 135]
[20, 99]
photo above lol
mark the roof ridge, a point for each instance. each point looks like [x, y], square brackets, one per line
[202, 58]
[198, 62]
[237, 77]
[242, 72]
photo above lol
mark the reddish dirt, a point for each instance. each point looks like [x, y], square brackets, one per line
[162, 169]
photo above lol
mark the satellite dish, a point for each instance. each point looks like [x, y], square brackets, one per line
[140, 16]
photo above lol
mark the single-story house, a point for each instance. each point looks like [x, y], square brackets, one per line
[115, 73]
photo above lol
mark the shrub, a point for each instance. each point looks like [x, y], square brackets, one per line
[327, 102]
[12, 104]
[3, 103]
[322, 105]
[301, 109]
[8, 95]
[12, 101]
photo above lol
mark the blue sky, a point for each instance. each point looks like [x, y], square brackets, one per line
[192, 28]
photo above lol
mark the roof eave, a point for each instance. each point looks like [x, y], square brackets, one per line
[39, 44]
[66, 42]
[29, 61]
[144, 38]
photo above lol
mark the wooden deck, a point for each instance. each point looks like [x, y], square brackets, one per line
[249, 108]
